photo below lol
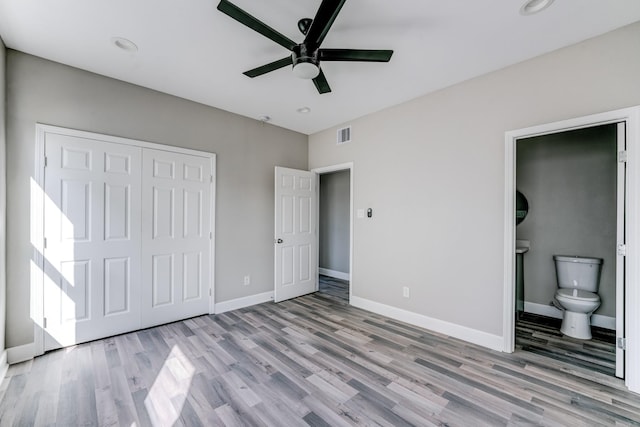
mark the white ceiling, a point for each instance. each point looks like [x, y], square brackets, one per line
[189, 49]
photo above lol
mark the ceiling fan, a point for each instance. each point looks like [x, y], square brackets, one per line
[306, 56]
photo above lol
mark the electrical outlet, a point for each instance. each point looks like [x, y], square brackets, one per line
[247, 280]
[405, 291]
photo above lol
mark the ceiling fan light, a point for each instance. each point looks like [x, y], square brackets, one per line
[306, 70]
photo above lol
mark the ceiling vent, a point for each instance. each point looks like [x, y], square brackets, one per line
[344, 135]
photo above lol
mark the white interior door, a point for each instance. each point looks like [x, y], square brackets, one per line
[92, 231]
[620, 258]
[176, 237]
[295, 233]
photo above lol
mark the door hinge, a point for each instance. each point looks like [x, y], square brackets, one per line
[44, 323]
[45, 161]
[622, 249]
[211, 178]
[209, 291]
[44, 243]
[622, 156]
[211, 235]
[622, 343]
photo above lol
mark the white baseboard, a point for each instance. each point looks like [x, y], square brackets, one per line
[4, 365]
[21, 353]
[494, 342]
[598, 320]
[237, 303]
[334, 273]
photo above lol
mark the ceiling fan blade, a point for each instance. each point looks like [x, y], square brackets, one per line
[244, 18]
[269, 67]
[327, 13]
[321, 83]
[364, 55]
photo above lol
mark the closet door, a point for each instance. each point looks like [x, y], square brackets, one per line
[176, 240]
[92, 233]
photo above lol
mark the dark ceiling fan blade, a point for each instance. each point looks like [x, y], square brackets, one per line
[364, 55]
[327, 13]
[321, 83]
[269, 67]
[244, 18]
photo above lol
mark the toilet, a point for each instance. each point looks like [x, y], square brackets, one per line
[578, 281]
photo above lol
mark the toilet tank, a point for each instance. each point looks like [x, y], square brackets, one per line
[577, 272]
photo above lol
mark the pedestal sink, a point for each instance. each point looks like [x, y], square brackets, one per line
[522, 247]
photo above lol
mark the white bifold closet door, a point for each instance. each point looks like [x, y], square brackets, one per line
[176, 236]
[92, 230]
[128, 238]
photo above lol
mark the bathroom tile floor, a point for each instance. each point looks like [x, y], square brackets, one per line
[541, 335]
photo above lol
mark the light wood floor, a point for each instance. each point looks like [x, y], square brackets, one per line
[312, 361]
[541, 335]
[336, 288]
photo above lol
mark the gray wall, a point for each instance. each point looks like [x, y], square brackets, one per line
[569, 180]
[247, 152]
[334, 221]
[3, 206]
[433, 171]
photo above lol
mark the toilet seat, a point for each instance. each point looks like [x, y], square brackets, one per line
[580, 295]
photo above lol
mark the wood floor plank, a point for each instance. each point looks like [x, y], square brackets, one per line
[317, 361]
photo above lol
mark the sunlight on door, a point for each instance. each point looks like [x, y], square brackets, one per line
[64, 281]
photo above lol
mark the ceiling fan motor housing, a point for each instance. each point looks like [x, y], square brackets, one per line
[301, 53]
[306, 63]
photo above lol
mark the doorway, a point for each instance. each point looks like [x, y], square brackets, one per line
[334, 227]
[568, 180]
[629, 298]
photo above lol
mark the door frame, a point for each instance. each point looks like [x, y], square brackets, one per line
[631, 116]
[37, 198]
[325, 170]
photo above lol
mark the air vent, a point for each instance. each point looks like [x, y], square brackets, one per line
[344, 135]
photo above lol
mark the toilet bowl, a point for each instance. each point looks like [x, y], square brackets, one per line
[577, 308]
[578, 282]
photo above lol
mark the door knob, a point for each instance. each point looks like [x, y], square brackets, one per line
[278, 240]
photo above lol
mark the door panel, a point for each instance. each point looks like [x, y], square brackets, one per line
[116, 285]
[295, 235]
[91, 225]
[176, 248]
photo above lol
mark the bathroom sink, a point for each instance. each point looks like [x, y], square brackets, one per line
[522, 246]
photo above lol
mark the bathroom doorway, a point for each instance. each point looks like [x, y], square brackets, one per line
[334, 231]
[569, 180]
[571, 236]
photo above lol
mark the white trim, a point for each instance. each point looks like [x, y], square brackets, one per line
[37, 243]
[333, 273]
[243, 302]
[632, 280]
[37, 215]
[494, 342]
[598, 320]
[119, 140]
[212, 246]
[328, 169]
[21, 353]
[4, 365]
[621, 209]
